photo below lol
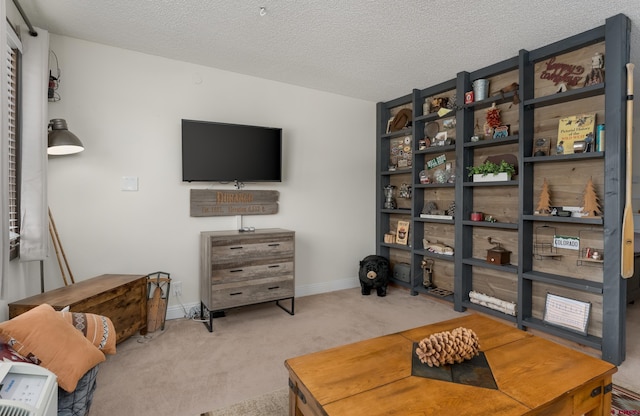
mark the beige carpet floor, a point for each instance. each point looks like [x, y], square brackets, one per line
[185, 370]
[271, 404]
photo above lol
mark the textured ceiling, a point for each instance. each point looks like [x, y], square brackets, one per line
[373, 50]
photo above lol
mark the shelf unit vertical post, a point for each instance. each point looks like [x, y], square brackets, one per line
[464, 197]
[526, 191]
[382, 149]
[617, 29]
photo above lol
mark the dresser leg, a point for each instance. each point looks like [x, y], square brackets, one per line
[202, 315]
[289, 311]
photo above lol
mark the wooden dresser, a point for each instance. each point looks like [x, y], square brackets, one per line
[244, 268]
[120, 297]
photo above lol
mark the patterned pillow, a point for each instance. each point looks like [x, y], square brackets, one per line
[8, 354]
[96, 328]
[43, 336]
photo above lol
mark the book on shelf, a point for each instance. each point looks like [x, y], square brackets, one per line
[573, 129]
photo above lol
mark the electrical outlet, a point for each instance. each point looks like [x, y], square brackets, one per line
[177, 288]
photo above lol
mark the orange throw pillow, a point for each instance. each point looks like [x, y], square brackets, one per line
[44, 337]
[98, 329]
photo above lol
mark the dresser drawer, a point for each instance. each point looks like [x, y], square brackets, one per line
[248, 250]
[253, 270]
[229, 295]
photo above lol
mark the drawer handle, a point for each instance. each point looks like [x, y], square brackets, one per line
[236, 248]
[274, 245]
[274, 287]
[235, 270]
[236, 293]
[273, 266]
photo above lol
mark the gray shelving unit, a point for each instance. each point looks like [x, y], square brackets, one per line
[610, 290]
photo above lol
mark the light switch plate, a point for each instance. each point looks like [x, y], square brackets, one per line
[129, 183]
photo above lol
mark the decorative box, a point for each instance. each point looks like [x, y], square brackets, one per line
[498, 255]
[402, 272]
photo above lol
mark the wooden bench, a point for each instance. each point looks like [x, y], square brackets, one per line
[121, 297]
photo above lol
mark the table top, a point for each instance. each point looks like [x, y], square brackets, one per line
[529, 371]
[64, 296]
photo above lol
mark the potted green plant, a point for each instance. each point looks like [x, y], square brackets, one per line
[490, 171]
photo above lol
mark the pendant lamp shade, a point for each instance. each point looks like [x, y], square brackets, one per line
[61, 140]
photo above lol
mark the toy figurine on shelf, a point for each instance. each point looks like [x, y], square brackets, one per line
[596, 76]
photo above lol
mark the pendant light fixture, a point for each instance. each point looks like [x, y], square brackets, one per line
[61, 140]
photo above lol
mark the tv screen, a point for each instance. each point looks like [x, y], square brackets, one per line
[221, 152]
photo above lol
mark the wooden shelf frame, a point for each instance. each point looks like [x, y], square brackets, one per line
[615, 34]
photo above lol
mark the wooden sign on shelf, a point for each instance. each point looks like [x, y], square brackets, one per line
[212, 202]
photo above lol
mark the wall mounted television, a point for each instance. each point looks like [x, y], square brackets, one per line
[222, 152]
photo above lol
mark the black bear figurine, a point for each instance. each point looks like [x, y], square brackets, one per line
[374, 273]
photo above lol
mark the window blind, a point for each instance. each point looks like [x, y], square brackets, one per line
[14, 209]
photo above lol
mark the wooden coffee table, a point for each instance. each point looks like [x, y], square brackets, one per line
[534, 376]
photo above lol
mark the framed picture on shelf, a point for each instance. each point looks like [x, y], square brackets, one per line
[501, 132]
[541, 147]
[567, 313]
[401, 152]
[402, 234]
[440, 139]
[468, 97]
[576, 128]
[389, 125]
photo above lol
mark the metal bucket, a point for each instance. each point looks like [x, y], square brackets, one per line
[480, 89]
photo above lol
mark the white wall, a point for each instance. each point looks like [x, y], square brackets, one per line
[126, 107]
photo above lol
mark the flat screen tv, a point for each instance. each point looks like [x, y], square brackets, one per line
[222, 152]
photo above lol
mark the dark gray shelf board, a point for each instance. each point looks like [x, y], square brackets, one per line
[507, 268]
[564, 281]
[395, 172]
[572, 43]
[567, 220]
[396, 102]
[564, 97]
[588, 340]
[435, 116]
[396, 246]
[434, 220]
[498, 68]
[493, 183]
[396, 211]
[493, 142]
[470, 305]
[427, 253]
[396, 282]
[563, 158]
[488, 102]
[434, 185]
[404, 132]
[436, 149]
[437, 89]
[421, 289]
[487, 224]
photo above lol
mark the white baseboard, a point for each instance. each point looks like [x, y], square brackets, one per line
[178, 311]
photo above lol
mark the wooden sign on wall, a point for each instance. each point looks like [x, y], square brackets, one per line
[212, 203]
